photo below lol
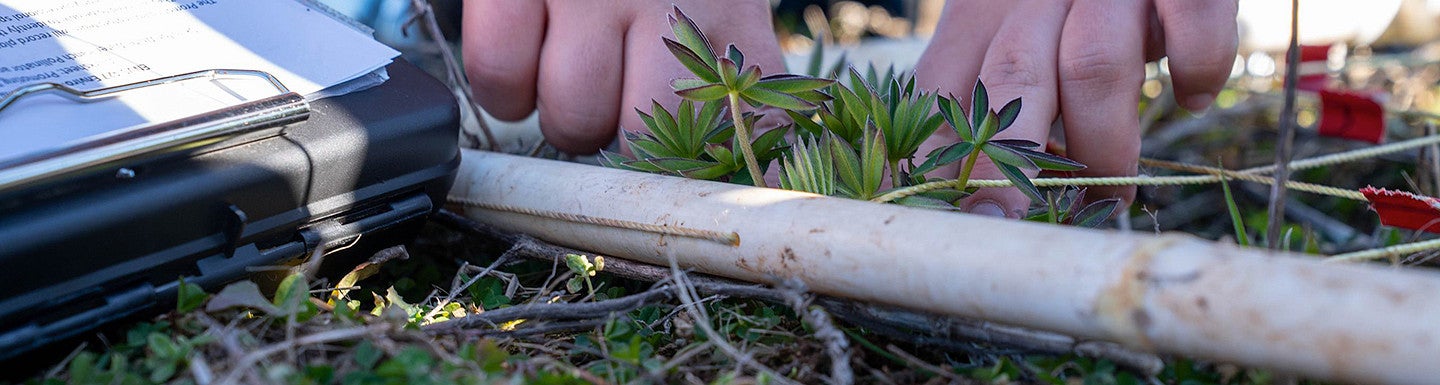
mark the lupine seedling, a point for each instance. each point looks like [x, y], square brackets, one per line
[728, 78]
[978, 132]
[850, 133]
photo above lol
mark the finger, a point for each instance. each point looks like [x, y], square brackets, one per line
[1020, 63]
[502, 53]
[650, 66]
[945, 64]
[1200, 39]
[1101, 69]
[580, 76]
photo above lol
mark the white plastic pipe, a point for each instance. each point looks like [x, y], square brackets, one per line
[1169, 293]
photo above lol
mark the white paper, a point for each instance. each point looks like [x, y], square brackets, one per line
[90, 44]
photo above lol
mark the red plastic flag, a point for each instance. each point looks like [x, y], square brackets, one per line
[1352, 116]
[1312, 74]
[1404, 210]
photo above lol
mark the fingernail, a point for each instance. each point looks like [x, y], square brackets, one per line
[1198, 104]
[988, 208]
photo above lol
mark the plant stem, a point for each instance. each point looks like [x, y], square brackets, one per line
[895, 172]
[960, 183]
[964, 179]
[742, 134]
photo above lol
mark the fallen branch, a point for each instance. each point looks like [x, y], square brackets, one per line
[552, 311]
[1169, 293]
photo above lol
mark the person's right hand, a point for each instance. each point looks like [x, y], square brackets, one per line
[586, 65]
[1083, 60]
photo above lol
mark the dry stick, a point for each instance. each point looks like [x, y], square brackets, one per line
[916, 361]
[249, 360]
[685, 291]
[1287, 133]
[552, 311]
[456, 290]
[835, 343]
[900, 324]
[453, 75]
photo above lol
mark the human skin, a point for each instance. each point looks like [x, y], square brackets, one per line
[1079, 60]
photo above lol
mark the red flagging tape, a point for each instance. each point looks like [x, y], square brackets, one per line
[1351, 115]
[1404, 210]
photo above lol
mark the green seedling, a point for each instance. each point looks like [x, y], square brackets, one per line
[977, 135]
[728, 78]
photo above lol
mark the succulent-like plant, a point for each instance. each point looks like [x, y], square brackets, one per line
[977, 136]
[728, 78]
[809, 168]
[691, 143]
[874, 123]
[1065, 207]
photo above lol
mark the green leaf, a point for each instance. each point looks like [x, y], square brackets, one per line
[748, 78]
[162, 346]
[687, 134]
[775, 99]
[645, 149]
[1237, 221]
[705, 93]
[665, 131]
[790, 83]
[720, 153]
[293, 298]
[979, 104]
[729, 73]
[677, 165]
[1047, 161]
[712, 172]
[1095, 213]
[1016, 143]
[190, 297]
[816, 97]
[988, 127]
[704, 69]
[834, 71]
[690, 36]
[734, 55]
[847, 167]
[367, 355]
[685, 83]
[1020, 180]
[1006, 155]
[767, 146]
[872, 161]
[817, 57]
[805, 124]
[243, 294]
[926, 203]
[810, 168]
[643, 165]
[1008, 114]
[614, 160]
[953, 114]
[579, 264]
[953, 153]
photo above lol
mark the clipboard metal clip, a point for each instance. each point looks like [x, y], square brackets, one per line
[231, 125]
[100, 94]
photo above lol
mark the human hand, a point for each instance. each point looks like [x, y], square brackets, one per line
[586, 65]
[1083, 60]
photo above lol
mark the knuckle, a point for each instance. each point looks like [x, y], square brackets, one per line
[1094, 65]
[575, 134]
[1017, 69]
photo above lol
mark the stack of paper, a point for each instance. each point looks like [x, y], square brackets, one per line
[91, 44]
